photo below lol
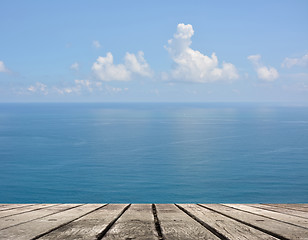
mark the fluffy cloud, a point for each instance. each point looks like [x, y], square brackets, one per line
[264, 73]
[137, 64]
[106, 70]
[290, 62]
[2, 67]
[96, 44]
[38, 88]
[191, 65]
[75, 66]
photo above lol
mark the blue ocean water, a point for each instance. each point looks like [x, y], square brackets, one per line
[145, 153]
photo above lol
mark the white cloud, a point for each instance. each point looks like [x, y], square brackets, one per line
[2, 67]
[96, 44]
[106, 70]
[113, 90]
[63, 91]
[75, 66]
[137, 64]
[79, 86]
[191, 65]
[290, 62]
[38, 88]
[265, 73]
[84, 84]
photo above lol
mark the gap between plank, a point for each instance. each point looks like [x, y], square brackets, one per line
[17, 207]
[286, 207]
[274, 210]
[45, 233]
[208, 227]
[30, 210]
[157, 223]
[266, 217]
[248, 224]
[41, 217]
[103, 233]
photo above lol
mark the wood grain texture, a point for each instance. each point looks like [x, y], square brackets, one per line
[270, 214]
[281, 210]
[89, 226]
[43, 225]
[162, 222]
[298, 207]
[29, 208]
[136, 223]
[276, 228]
[224, 225]
[13, 206]
[10, 221]
[304, 205]
[176, 224]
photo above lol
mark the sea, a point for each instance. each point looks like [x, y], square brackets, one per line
[153, 153]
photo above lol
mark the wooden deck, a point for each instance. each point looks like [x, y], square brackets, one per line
[153, 221]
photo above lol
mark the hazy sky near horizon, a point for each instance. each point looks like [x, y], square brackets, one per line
[154, 51]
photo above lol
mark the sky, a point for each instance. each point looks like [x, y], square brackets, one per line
[154, 51]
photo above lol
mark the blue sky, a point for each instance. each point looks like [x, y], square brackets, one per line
[158, 51]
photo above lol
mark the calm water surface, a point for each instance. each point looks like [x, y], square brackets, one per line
[146, 153]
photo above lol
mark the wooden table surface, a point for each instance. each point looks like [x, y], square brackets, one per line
[153, 221]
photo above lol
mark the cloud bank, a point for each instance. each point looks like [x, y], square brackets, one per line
[193, 66]
[105, 70]
[290, 62]
[264, 73]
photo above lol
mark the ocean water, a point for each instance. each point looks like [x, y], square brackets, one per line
[145, 153]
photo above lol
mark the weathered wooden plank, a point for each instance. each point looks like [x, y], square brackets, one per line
[229, 221]
[298, 207]
[41, 226]
[270, 214]
[10, 221]
[273, 227]
[305, 205]
[176, 224]
[224, 225]
[281, 210]
[136, 223]
[29, 208]
[13, 206]
[89, 226]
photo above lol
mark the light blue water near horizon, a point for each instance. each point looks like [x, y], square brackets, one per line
[145, 153]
